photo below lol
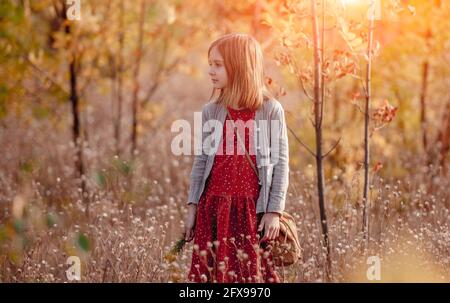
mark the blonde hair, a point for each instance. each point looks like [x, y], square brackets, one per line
[244, 64]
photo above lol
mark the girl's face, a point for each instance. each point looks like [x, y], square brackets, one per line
[217, 70]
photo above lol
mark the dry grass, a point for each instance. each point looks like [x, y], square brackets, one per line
[132, 225]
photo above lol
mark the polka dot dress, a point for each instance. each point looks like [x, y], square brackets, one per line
[226, 245]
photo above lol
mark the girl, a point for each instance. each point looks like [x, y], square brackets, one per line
[235, 198]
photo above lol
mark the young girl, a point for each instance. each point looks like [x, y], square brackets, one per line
[234, 206]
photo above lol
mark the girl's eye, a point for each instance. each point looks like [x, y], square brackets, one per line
[216, 64]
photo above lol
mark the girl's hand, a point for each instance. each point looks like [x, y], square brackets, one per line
[270, 222]
[190, 222]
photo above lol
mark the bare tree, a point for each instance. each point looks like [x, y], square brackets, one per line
[136, 70]
[119, 77]
[368, 95]
[444, 137]
[75, 105]
[318, 117]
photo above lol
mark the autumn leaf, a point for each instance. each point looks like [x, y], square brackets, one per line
[377, 166]
[386, 113]
[354, 96]
[412, 10]
[267, 20]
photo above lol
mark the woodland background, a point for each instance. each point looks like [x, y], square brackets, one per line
[86, 108]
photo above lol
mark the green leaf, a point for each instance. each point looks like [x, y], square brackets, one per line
[178, 246]
[40, 112]
[83, 242]
[18, 225]
[3, 234]
[3, 96]
[51, 220]
[123, 167]
[101, 179]
[26, 166]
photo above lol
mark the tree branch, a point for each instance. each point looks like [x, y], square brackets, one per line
[334, 146]
[301, 142]
[302, 84]
[46, 75]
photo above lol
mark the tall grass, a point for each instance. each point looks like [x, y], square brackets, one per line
[137, 212]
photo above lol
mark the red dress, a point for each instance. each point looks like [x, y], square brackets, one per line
[226, 245]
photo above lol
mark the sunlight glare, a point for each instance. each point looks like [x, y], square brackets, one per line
[350, 2]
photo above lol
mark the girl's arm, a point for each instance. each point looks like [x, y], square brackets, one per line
[196, 179]
[270, 221]
[198, 166]
[280, 174]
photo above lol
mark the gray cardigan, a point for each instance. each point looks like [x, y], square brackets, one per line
[272, 154]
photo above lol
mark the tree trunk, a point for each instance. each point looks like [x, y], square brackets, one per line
[74, 100]
[368, 95]
[135, 98]
[444, 138]
[318, 104]
[119, 73]
[423, 110]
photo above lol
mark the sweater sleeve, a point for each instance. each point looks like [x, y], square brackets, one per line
[280, 159]
[198, 166]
